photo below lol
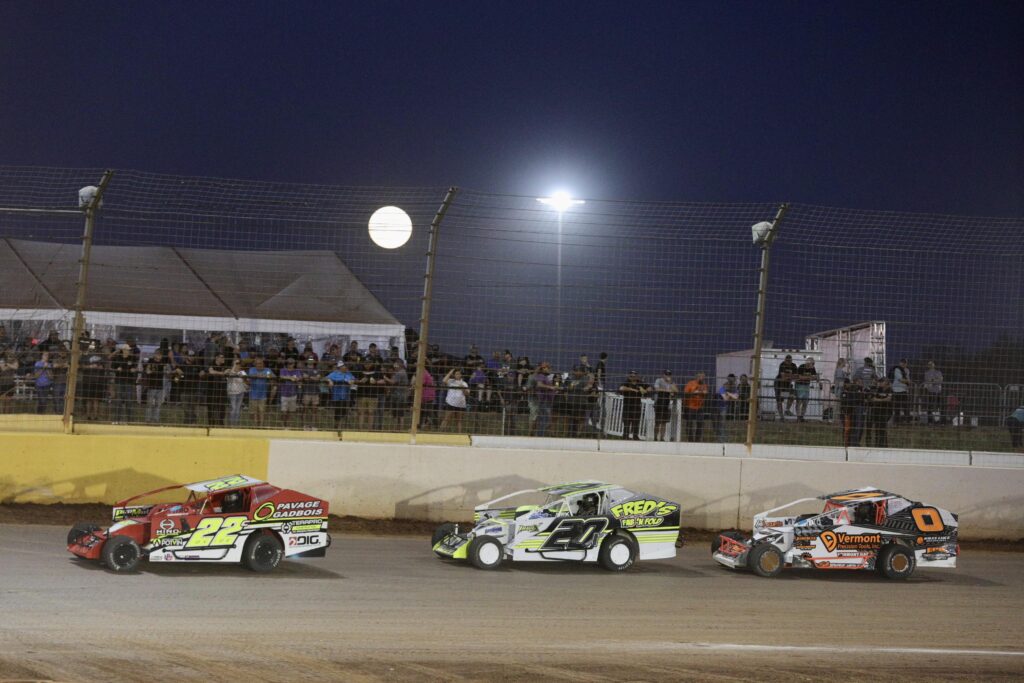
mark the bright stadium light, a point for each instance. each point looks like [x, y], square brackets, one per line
[390, 227]
[560, 201]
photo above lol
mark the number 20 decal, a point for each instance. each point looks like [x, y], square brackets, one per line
[927, 519]
[215, 532]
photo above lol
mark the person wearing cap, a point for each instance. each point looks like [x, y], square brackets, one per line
[633, 391]
[188, 376]
[260, 377]
[340, 383]
[541, 397]
[805, 374]
[694, 395]
[309, 390]
[665, 392]
[727, 397]
[784, 387]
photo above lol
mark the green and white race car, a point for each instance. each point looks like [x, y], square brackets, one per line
[581, 522]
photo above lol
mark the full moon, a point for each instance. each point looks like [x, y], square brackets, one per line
[390, 227]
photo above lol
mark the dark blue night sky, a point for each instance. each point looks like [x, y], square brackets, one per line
[900, 106]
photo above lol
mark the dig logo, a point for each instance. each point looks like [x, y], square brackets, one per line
[303, 540]
[575, 534]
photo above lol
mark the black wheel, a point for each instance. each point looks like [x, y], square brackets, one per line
[485, 552]
[895, 562]
[121, 554]
[716, 542]
[440, 532]
[262, 553]
[79, 530]
[617, 554]
[765, 559]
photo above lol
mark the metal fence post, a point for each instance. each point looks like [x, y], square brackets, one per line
[81, 288]
[428, 288]
[762, 298]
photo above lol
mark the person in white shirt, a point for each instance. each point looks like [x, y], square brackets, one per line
[454, 399]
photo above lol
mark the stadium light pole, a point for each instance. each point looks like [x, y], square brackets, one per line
[764, 235]
[560, 202]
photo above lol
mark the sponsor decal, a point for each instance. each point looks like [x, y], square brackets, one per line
[166, 524]
[574, 533]
[310, 540]
[276, 511]
[168, 557]
[226, 483]
[131, 511]
[298, 527]
[643, 508]
[528, 527]
[832, 540]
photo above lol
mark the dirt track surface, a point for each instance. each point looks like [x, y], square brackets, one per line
[386, 609]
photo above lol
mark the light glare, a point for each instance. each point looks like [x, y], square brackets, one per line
[560, 201]
[390, 227]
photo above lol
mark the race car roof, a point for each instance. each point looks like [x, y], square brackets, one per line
[234, 481]
[576, 487]
[861, 495]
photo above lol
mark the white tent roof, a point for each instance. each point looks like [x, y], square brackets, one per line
[312, 292]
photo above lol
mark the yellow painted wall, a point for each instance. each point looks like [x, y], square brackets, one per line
[78, 468]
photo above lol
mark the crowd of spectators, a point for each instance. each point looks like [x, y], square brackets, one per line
[222, 383]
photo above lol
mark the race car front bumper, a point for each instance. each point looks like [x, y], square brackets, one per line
[731, 553]
[89, 545]
[453, 546]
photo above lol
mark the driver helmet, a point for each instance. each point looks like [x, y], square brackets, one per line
[232, 501]
[588, 503]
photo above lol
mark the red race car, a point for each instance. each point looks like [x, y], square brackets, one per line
[230, 519]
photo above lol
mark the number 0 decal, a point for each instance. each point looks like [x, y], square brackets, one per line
[928, 519]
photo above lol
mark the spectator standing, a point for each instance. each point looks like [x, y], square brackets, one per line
[8, 372]
[455, 399]
[398, 393]
[784, 387]
[217, 390]
[290, 377]
[901, 383]
[42, 374]
[61, 367]
[94, 381]
[932, 385]
[260, 378]
[126, 372]
[579, 391]
[805, 374]
[665, 392]
[633, 392]
[600, 382]
[879, 411]
[310, 391]
[153, 382]
[235, 386]
[352, 355]
[367, 394]
[727, 397]
[428, 402]
[1015, 424]
[867, 374]
[291, 351]
[473, 359]
[694, 395]
[541, 392]
[851, 411]
[839, 378]
[340, 382]
[742, 405]
[191, 374]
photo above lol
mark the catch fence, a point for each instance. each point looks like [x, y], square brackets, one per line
[238, 300]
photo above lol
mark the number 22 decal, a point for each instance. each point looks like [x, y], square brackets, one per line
[214, 532]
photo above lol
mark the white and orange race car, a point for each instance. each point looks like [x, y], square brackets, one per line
[233, 519]
[863, 528]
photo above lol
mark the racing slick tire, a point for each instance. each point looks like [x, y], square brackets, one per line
[262, 553]
[617, 554]
[716, 542]
[895, 562]
[440, 532]
[765, 560]
[121, 554]
[485, 552]
[80, 529]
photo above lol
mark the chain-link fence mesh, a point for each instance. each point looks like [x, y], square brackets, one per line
[237, 303]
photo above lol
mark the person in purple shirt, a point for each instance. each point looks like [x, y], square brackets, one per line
[43, 375]
[290, 377]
